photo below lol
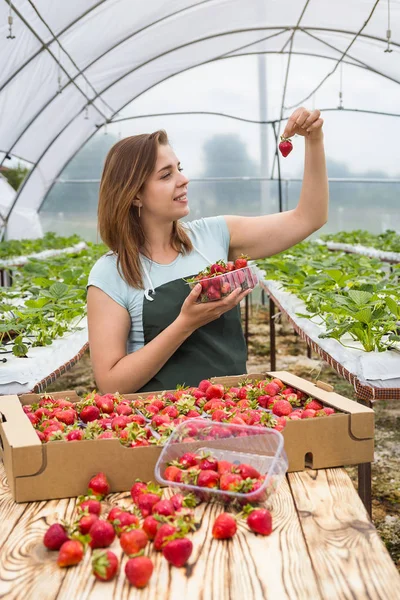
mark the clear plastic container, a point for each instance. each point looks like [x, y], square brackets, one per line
[219, 286]
[260, 448]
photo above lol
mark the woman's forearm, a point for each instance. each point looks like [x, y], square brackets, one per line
[133, 371]
[314, 196]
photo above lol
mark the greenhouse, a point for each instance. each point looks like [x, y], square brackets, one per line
[200, 241]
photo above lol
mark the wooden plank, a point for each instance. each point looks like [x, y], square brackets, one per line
[250, 566]
[347, 553]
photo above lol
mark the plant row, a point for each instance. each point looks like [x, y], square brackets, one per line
[389, 241]
[350, 295]
[50, 241]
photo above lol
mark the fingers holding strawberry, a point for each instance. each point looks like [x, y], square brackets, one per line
[302, 122]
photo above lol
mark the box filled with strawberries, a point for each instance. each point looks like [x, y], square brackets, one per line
[125, 434]
[222, 278]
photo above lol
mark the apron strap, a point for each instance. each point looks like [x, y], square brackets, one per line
[147, 290]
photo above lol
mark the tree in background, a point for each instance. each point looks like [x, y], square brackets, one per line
[16, 175]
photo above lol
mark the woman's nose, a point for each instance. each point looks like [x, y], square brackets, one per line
[183, 180]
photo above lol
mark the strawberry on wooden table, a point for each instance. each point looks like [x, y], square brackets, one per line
[178, 551]
[102, 534]
[259, 519]
[70, 553]
[55, 537]
[133, 541]
[139, 570]
[104, 565]
[224, 527]
[99, 485]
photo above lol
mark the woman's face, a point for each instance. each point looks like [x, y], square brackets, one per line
[164, 193]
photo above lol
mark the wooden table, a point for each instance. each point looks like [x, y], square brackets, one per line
[323, 547]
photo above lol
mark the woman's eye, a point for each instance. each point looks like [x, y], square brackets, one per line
[180, 169]
[165, 176]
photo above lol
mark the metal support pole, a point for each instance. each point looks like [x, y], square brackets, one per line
[364, 475]
[246, 323]
[272, 334]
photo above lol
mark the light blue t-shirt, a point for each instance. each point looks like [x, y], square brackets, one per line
[210, 238]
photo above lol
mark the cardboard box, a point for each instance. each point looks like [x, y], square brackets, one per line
[37, 471]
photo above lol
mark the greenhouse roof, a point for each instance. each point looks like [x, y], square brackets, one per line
[68, 68]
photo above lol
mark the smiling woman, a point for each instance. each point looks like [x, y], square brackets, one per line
[146, 331]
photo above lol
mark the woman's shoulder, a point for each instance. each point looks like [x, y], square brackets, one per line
[104, 267]
[209, 230]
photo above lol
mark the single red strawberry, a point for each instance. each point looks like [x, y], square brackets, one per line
[99, 485]
[146, 502]
[75, 435]
[124, 409]
[89, 504]
[241, 262]
[138, 571]
[247, 471]
[104, 403]
[208, 479]
[314, 405]
[133, 541]
[55, 537]
[102, 534]
[163, 507]
[271, 389]
[215, 391]
[203, 385]
[71, 553]
[285, 146]
[151, 526]
[178, 551]
[104, 565]
[230, 482]
[67, 416]
[328, 410]
[282, 408]
[260, 521]
[309, 413]
[114, 512]
[119, 422]
[225, 466]
[86, 522]
[89, 413]
[124, 520]
[189, 459]
[140, 487]
[224, 527]
[208, 463]
[163, 532]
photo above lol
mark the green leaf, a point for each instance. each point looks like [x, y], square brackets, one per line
[364, 315]
[39, 303]
[392, 306]
[360, 298]
[336, 275]
[58, 290]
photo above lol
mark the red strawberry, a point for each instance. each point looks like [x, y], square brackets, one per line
[89, 413]
[260, 521]
[123, 520]
[282, 408]
[104, 565]
[146, 502]
[119, 422]
[163, 507]
[189, 459]
[208, 479]
[105, 403]
[314, 405]
[230, 266]
[140, 487]
[230, 482]
[213, 293]
[41, 436]
[208, 463]
[99, 485]
[215, 391]
[138, 571]
[55, 537]
[241, 262]
[224, 467]
[90, 505]
[102, 534]
[106, 435]
[224, 527]
[71, 553]
[178, 551]
[309, 413]
[86, 522]
[285, 146]
[133, 541]
[247, 471]
[278, 382]
[150, 526]
[114, 512]
[272, 389]
[173, 473]
[328, 410]
[163, 532]
[74, 435]
[67, 416]
[203, 385]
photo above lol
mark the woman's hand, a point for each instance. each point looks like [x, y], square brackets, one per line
[305, 123]
[194, 315]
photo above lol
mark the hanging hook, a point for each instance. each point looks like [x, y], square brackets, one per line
[388, 31]
[340, 107]
[86, 117]
[10, 24]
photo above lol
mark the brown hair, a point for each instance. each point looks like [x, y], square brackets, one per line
[128, 165]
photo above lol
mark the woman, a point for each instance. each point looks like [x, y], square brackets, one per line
[146, 331]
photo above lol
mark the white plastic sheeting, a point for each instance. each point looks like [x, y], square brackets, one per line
[26, 223]
[72, 66]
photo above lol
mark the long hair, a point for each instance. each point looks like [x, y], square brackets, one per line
[128, 165]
